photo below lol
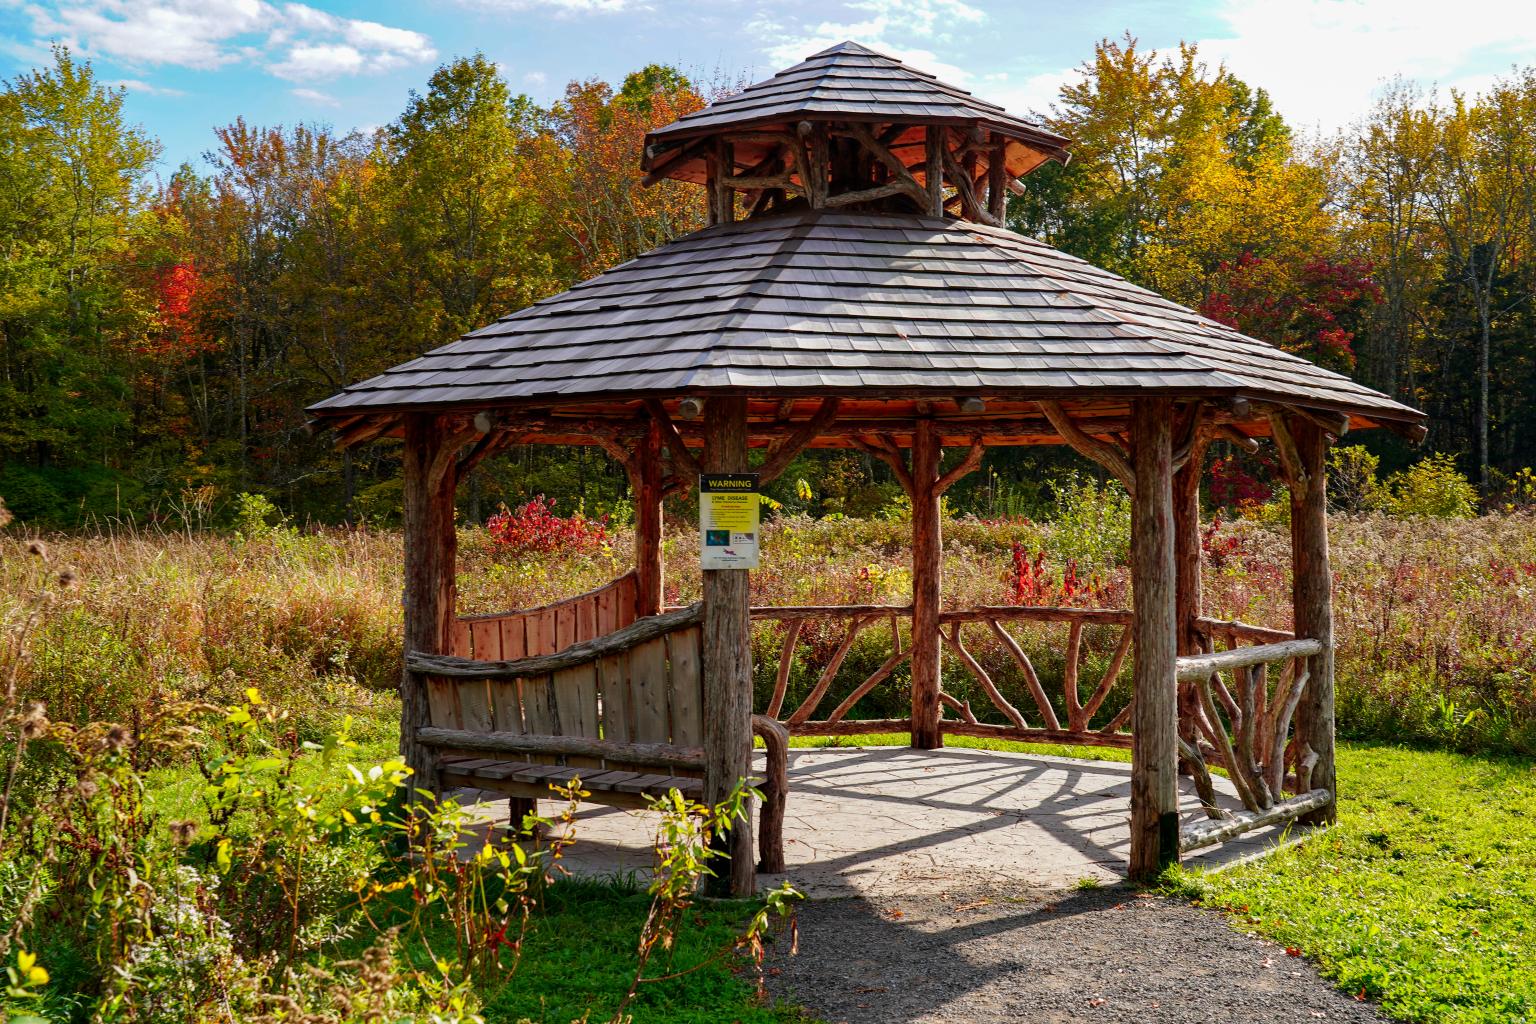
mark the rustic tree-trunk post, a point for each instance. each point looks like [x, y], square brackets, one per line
[648, 571]
[1154, 750]
[430, 562]
[1312, 597]
[727, 660]
[1186, 560]
[933, 169]
[927, 584]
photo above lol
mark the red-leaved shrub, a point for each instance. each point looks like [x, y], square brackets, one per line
[533, 527]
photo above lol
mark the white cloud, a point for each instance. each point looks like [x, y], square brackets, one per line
[293, 40]
[316, 96]
[148, 89]
[1322, 61]
[898, 28]
[535, 78]
[559, 7]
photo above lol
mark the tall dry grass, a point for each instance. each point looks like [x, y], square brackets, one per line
[1435, 618]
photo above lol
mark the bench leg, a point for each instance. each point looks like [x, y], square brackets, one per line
[519, 807]
[770, 835]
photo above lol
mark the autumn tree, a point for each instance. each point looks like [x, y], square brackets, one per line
[1177, 169]
[584, 166]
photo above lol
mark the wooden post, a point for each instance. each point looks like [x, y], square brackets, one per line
[1154, 747]
[727, 661]
[997, 178]
[927, 585]
[430, 561]
[934, 170]
[725, 196]
[1312, 598]
[647, 477]
[1186, 560]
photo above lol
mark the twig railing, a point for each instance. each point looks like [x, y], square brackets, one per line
[1075, 723]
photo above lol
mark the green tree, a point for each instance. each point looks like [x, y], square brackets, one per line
[72, 179]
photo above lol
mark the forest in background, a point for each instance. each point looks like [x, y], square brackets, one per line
[160, 335]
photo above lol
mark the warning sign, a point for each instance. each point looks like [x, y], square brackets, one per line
[728, 520]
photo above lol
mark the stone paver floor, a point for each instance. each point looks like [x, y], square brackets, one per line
[869, 821]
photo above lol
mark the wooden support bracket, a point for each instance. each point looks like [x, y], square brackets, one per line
[1111, 456]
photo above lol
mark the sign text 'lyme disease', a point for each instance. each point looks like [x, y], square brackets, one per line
[728, 520]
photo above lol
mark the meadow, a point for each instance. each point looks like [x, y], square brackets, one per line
[252, 665]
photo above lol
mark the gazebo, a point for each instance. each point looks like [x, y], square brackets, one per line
[856, 287]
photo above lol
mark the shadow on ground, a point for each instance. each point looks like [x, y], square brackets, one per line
[1101, 954]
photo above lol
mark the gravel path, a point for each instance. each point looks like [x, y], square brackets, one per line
[1096, 955]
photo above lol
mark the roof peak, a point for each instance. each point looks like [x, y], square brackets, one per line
[849, 46]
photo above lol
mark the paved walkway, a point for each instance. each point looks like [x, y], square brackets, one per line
[872, 821]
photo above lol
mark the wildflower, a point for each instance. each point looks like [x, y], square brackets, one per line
[183, 832]
[118, 737]
[68, 579]
[34, 723]
[38, 548]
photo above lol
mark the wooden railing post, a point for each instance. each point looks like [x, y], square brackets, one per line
[1312, 597]
[927, 582]
[727, 659]
[1154, 748]
[430, 561]
[648, 571]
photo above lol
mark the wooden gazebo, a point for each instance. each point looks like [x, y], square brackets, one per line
[856, 288]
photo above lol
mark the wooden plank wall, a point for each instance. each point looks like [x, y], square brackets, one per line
[507, 636]
[652, 693]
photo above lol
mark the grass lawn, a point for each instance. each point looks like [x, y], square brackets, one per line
[1423, 898]
[580, 959]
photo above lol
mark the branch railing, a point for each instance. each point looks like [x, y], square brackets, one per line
[1080, 719]
[1236, 710]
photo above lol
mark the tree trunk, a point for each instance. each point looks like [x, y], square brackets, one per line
[1312, 597]
[1154, 749]
[727, 661]
[927, 586]
[430, 562]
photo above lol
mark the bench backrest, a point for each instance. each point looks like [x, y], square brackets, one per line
[508, 636]
[651, 693]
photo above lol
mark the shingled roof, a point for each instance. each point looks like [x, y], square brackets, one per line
[824, 303]
[849, 82]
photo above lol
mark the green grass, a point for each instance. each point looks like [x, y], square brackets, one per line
[580, 959]
[1423, 898]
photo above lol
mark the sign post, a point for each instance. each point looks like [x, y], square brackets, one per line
[728, 520]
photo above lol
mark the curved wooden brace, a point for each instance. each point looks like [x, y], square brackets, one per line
[967, 465]
[1108, 455]
[808, 707]
[784, 452]
[681, 456]
[1031, 679]
[862, 690]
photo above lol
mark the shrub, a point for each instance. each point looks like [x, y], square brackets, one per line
[1092, 523]
[533, 527]
[1431, 488]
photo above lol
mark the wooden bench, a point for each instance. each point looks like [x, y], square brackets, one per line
[623, 712]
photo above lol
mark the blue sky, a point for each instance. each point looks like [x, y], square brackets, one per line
[190, 65]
